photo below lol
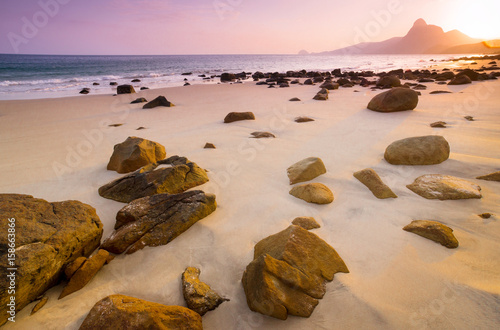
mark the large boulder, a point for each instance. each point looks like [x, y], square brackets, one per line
[305, 170]
[134, 153]
[372, 181]
[434, 231]
[48, 236]
[389, 81]
[198, 295]
[420, 150]
[443, 187]
[157, 220]
[288, 273]
[125, 89]
[160, 101]
[395, 99]
[316, 193]
[128, 313]
[172, 175]
[236, 116]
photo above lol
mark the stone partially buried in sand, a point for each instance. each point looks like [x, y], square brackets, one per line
[434, 231]
[198, 295]
[316, 193]
[372, 181]
[127, 313]
[262, 135]
[495, 176]
[444, 187]
[237, 116]
[395, 99]
[160, 101]
[134, 153]
[420, 150]
[306, 170]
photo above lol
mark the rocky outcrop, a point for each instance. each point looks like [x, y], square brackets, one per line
[495, 176]
[128, 313]
[157, 220]
[421, 150]
[134, 153]
[237, 116]
[316, 193]
[198, 295]
[172, 175]
[307, 223]
[48, 237]
[372, 181]
[125, 89]
[160, 101]
[434, 231]
[395, 99]
[443, 187]
[306, 170]
[289, 272]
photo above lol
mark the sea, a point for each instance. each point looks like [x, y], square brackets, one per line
[48, 76]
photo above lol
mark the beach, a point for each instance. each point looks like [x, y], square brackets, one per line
[57, 149]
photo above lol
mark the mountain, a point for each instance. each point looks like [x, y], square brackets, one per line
[421, 39]
[485, 47]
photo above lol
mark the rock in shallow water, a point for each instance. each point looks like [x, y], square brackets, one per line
[434, 231]
[198, 295]
[444, 187]
[420, 150]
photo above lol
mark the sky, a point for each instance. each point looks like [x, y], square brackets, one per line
[157, 27]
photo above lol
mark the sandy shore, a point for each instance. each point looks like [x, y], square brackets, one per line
[58, 149]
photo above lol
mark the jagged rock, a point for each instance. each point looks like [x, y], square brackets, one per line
[495, 176]
[135, 153]
[421, 150]
[443, 187]
[48, 237]
[460, 80]
[307, 223]
[260, 135]
[288, 273]
[306, 170]
[439, 124]
[172, 175]
[316, 193]
[125, 89]
[198, 295]
[157, 220]
[85, 273]
[139, 100]
[294, 99]
[236, 116]
[160, 101]
[128, 313]
[434, 231]
[303, 119]
[209, 146]
[395, 99]
[371, 179]
[39, 305]
[389, 81]
[73, 266]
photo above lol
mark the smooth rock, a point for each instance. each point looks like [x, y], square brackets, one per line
[209, 146]
[236, 116]
[139, 100]
[440, 92]
[294, 99]
[330, 85]
[226, 77]
[198, 295]
[438, 124]
[434, 231]
[260, 135]
[460, 80]
[306, 170]
[160, 101]
[303, 119]
[307, 223]
[135, 153]
[444, 187]
[495, 176]
[389, 81]
[395, 99]
[316, 193]
[125, 89]
[421, 150]
[372, 181]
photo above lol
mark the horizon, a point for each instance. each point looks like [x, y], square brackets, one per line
[223, 27]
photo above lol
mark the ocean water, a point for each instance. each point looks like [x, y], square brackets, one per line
[45, 76]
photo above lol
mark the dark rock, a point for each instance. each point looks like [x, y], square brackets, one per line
[95, 84]
[115, 125]
[330, 85]
[260, 135]
[473, 75]
[143, 88]
[389, 81]
[187, 84]
[113, 83]
[139, 128]
[198, 295]
[395, 99]
[125, 89]
[294, 99]
[139, 100]
[303, 119]
[236, 116]
[209, 146]
[469, 118]
[440, 92]
[439, 124]
[434, 231]
[135, 153]
[485, 215]
[160, 101]
[85, 91]
[308, 82]
[225, 77]
[460, 80]
[136, 80]
[187, 74]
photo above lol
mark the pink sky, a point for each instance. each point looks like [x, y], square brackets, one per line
[225, 26]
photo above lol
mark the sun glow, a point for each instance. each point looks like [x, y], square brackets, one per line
[476, 19]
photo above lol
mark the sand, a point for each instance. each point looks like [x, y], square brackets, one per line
[58, 149]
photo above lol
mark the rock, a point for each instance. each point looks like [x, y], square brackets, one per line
[460, 80]
[420, 87]
[128, 313]
[495, 176]
[198, 295]
[288, 273]
[135, 80]
[307, 223]
[303, 119]
[320, 97]
[389, 81]
[372, 181]
[260, 135]
[236, 116]
[157, 220]
[73, 266]
[225, 77]
[125, 89]
[485, 215]
[85, 273]
[306, 170]
[140, 128]
[440, 92]
[434, 231]
[113, 83]
[421, 150]
[48, 237]
[444, 187]
[471, 74]
[139, 100]
[160, 101]
[439, 124]
[284, 85]
[144, 88]
[395, 99]
[115, 125]
[135, 153]
[153, 179]
[308, 82]
[209, 146]
[85, 91]
[187, 84]
[330, 85]
[39, 305]
[469, 118]
[294, 99]
[188, 74]
[316, 193]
